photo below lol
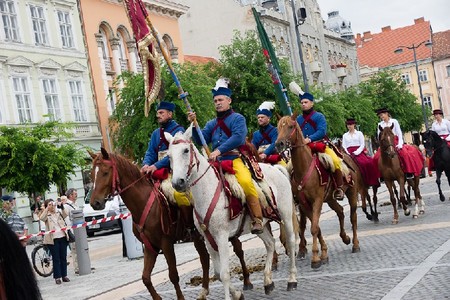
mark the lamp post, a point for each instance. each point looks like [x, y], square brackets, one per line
[413, 47]
[298, 22]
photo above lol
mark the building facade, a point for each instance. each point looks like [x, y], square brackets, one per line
[44, 73]
[111, 47]
[329, 56]
[441, 63]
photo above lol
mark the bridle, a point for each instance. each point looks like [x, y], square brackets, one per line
[387, 148]
[293, 133]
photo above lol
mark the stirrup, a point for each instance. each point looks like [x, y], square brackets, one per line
[257, 227]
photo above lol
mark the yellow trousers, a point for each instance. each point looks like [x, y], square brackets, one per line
[244, 177]
[334, 157]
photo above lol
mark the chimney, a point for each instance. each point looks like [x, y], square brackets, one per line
[419, 20]
[367, 36]
[386, 29]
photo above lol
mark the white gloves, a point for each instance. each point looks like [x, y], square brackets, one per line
[357, 152]
[399, 147]
[447, 138]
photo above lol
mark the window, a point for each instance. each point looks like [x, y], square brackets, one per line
[39, 29]
[423, 75]
[23, 99]
[427, 101]
[76, 94]
[405, 78]
[9, 20]
[51, 99]
[448, 70]
[65, 29]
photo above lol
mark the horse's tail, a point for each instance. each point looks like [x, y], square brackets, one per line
[283, 170]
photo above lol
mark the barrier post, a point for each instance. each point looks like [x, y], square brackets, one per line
[81, 243]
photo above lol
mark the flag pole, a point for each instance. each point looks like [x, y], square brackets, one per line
[272, 66]
[181, 93]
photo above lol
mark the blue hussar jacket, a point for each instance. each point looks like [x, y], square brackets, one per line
[217, 137]
[159, 143]
[315, 128]
[266, 135]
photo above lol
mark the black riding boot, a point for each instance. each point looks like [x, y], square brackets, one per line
[338, 193]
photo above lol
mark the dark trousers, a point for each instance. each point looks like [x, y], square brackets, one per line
[59, 257]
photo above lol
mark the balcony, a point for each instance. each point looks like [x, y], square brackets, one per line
[86, 129]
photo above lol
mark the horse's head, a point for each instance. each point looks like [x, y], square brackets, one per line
[102, 178]
[183, 158]
[387, 141]
[288, 131]
[431, 140]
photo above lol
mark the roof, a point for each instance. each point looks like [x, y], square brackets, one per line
[441, 45]
[377, 50]
[194, 59]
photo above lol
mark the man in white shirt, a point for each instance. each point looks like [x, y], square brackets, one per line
[70, 202]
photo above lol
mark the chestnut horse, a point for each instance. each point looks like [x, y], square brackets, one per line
[390, 169]
[311, 194]
[113, 174]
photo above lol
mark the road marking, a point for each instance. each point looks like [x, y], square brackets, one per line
[418, 273]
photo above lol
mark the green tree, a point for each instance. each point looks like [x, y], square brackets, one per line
[34, 157]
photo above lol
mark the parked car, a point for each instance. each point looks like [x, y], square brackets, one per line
[112, 208]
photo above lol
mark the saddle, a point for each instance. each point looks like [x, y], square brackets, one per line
[236, 196]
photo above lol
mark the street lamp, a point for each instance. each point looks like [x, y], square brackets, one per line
[297, 22]
[413, 47]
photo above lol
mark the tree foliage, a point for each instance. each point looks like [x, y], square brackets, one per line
[34, 157]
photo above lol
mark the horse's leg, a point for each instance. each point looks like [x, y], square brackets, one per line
[269, 243]
[237, 248]
[302, 250]
[149, 264]
[438, 182]
[419, 201]
[364, 199]
[315, 229]
[389, 185]
[375, 203]
[334, 205]
[401, 183]
[352, 196]
[222, 266]
[199, 244]
[169, 254]
[283, 242]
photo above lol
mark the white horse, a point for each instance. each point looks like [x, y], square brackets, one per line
[192, 171]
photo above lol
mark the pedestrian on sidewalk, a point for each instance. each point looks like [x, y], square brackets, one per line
[70, 201]
[57, 242]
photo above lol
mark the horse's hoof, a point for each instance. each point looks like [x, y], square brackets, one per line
[324, 260]
[248, 287]
[356, 250]
[316, 264]
[242, 296]
[301, 255]
[274, 267]
[369, 217]
[442, 198]
[394, 222]
[407, 212]
[421, 212]
[346, 240]
[291, 286]
[269, 288]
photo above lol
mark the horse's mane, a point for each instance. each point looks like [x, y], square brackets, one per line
[126, 166]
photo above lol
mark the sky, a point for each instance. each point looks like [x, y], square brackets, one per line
[371, 15]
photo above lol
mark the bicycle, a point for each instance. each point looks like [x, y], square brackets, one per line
[41, 259]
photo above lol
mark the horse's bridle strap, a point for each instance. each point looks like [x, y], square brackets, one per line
[144, 215]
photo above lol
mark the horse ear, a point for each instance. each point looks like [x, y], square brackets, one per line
[294, 116]
[392, 126]
[188, 133]
[278, 116]
[105, 153]
[92, 154]
[168, 137]
[380, 128]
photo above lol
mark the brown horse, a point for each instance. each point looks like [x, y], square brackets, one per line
[311, 194]
[114, 174]
[390, 169]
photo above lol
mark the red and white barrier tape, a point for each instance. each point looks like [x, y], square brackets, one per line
[84, 224]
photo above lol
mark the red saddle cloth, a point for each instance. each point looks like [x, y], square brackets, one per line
[367, 166]
[273, 159]
[234, 204]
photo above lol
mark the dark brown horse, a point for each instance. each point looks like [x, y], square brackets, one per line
[112, 174]
[390, 169]
[311, 194]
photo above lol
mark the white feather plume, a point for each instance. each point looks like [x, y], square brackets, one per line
[269, 105]
[295, 88]
[222, 82]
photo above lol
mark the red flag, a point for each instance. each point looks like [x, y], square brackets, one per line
[146, 48]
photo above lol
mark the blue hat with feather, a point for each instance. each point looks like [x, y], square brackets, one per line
[266, 108]
[221, 88]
